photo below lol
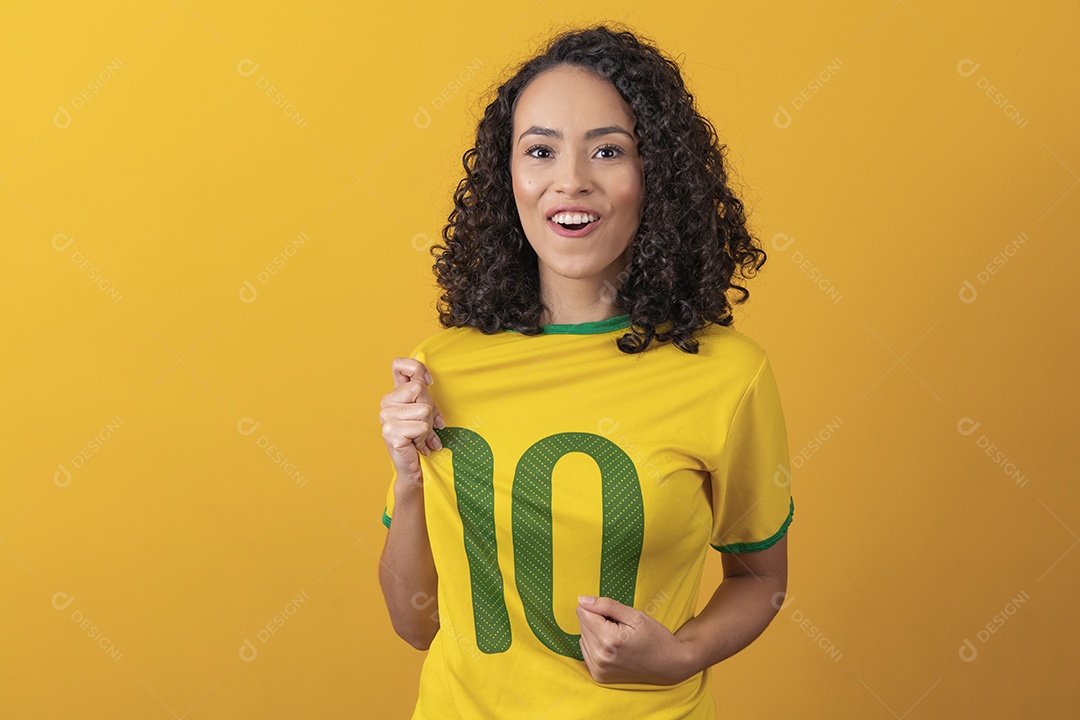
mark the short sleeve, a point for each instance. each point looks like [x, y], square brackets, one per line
[388, 509]
[751, 499]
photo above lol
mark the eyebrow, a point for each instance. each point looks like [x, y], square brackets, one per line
[595, 132]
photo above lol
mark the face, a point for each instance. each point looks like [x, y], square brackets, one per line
[578, 179]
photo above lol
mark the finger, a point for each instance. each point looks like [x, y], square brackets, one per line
[412, 401]
[403, 433]
[406, 369]
[612, 608]
[585, 654]
[393, 411]
[591, 624]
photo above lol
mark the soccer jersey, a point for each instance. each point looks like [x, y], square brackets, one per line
[571, 468]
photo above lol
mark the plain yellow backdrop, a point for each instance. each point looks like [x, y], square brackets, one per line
[216, 222]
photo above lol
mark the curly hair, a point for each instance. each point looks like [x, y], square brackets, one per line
[691, 247]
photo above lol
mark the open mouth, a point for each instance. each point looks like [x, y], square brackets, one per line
[573, 221]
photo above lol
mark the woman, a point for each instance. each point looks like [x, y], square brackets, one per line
[596, 424]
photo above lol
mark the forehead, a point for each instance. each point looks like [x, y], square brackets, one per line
[570, 97]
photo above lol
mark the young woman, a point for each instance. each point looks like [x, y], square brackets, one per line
[587, 424]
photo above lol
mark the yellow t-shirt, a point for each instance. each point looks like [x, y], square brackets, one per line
[571, 468]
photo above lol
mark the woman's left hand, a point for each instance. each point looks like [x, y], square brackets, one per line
[621, 644]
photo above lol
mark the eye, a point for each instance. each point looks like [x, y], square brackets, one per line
[542, 148]
[614, 149]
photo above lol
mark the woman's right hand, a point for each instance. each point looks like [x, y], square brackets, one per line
[408, 416]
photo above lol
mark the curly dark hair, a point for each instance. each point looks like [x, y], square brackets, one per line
[692, 243]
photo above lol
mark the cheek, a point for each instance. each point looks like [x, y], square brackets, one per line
[523, 186]
[630, 194]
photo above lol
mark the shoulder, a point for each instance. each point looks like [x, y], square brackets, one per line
[734, 350]
[450, 341]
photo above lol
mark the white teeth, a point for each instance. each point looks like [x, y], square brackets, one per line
[573, 218]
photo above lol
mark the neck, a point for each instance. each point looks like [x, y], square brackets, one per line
[578, 300]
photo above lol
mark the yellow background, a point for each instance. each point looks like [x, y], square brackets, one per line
[140, 146]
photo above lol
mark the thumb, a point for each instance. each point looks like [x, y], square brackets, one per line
[608, 607]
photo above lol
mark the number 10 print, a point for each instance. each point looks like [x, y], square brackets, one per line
[620, 551]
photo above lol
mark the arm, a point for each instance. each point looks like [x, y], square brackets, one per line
[407, 570]
[740, 609]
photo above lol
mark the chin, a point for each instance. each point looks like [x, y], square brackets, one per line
[576, 268]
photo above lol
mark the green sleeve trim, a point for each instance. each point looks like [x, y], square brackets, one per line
[385, 518]
[762, 544]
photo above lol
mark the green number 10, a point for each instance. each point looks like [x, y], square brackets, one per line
[620, 552]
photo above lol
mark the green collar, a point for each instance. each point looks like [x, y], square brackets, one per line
[585, 328]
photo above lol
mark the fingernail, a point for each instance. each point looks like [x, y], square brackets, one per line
[585, 599]
[438, 443]
[428, 377]
[440, 423]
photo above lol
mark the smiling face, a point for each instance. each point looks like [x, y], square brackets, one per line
[575, 159]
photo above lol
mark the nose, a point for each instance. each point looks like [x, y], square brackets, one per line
[572, 175]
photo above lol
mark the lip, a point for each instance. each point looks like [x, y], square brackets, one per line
[560, 230]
